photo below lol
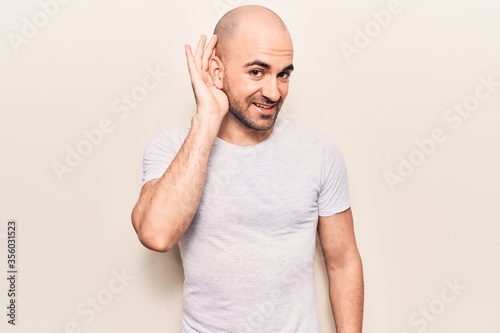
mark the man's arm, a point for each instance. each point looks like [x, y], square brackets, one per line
[344, 269]
[166, 206]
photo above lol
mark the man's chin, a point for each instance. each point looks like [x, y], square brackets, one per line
[255, 120]
[263, 122]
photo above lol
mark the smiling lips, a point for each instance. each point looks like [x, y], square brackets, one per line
[263, 108]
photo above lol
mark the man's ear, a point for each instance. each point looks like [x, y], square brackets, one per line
[216, 71]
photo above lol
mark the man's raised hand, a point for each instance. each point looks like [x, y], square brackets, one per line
[209, 99]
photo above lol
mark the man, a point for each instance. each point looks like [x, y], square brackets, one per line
[244, 193]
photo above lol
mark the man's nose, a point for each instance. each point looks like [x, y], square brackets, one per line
[270, 90]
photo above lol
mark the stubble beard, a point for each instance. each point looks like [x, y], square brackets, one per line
[244, 115]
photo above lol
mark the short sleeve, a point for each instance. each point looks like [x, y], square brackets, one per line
[334, 191]
[160, 152]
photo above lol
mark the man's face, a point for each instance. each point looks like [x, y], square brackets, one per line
[257, 66]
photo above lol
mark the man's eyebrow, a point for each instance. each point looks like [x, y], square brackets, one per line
[257, 63]
[262, 64]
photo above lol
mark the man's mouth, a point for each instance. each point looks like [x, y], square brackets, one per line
[264, 106]
[265, 109]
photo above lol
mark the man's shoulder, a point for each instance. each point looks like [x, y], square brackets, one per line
[304, 135]
[168, 139]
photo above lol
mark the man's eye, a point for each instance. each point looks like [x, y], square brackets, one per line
[256, 72]
[284, 75]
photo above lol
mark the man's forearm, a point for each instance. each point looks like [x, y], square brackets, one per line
[347, 296]
[165, 211]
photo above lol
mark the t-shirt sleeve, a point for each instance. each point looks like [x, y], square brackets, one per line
[160, 153]
[334, 191]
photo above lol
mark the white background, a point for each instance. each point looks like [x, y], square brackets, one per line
[74, 231]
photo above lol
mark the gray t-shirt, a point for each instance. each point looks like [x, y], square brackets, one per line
[248, 255]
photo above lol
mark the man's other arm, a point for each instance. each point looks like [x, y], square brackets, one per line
[344, 269]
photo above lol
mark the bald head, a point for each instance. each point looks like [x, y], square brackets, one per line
[246, 20]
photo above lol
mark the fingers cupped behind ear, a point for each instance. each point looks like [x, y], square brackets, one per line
[198, 56]
[189, 57]
[209, 52]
